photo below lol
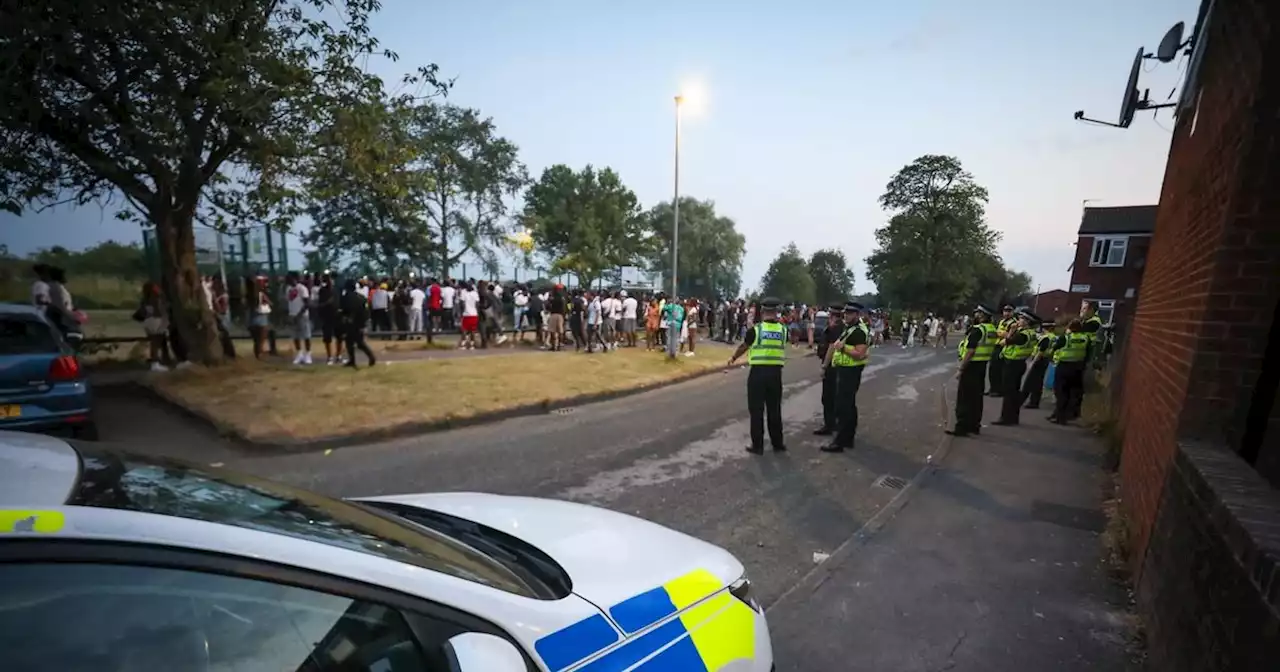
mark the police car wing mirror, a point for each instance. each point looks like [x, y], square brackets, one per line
[480, 652]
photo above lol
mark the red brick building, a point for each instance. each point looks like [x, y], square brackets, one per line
[1111, 253]
[1199, 371]
[1053, 304]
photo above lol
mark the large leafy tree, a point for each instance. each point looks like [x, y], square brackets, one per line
[587, 222]
[192, 109]
[997, 284]
[472, 177]
[363, 197]
[832, 277]
[788, 278]
[711, 248]
[927, 254]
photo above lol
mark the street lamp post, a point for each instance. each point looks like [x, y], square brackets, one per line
[675, 207]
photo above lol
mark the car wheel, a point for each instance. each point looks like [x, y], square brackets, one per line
[86, 432]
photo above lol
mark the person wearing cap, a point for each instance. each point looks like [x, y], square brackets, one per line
[832, 333]
[1033, 385]
[765, 345]
[1019, 344]
[848, 356]
[995, 367]
[976, 350]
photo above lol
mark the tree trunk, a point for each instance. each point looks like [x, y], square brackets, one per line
[191, 317]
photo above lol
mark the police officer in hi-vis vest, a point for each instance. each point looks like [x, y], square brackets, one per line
[1019, 345]
[996, 366]
[848, 357]
[976, 350]
[1090, 324]
[766, 348]
[831, 334]
[1033, 386]
[1069, 357]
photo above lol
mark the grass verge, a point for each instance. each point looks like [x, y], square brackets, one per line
[278, 404]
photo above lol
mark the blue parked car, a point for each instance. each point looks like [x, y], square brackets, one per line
[42, 385]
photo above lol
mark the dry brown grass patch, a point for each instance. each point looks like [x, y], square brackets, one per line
[268, 402]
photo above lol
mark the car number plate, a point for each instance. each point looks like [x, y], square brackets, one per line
[10, 411]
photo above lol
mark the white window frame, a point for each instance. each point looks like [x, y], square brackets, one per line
[1106, 309]
[1106, 249]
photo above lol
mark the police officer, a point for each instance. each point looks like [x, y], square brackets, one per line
[995, 367]
[1019, 344]
[848, 356]
[1091, 325]
[767, 346]
[976, 349]
[1033, 386]
[831, 334]
[1069, 358]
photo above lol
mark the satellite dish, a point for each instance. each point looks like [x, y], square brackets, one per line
[1129, 104]
[1170, 44]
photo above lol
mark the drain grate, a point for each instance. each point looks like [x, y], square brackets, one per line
[890, 482]
[564, 411]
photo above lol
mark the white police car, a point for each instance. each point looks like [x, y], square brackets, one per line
[115, 562]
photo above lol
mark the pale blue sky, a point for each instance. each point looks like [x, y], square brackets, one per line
[810, 107]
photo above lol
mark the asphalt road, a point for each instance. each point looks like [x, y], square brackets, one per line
[675, 456]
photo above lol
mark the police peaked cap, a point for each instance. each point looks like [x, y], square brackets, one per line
[853, 306]
[1031, 317]
[770, 303]
[982, 309]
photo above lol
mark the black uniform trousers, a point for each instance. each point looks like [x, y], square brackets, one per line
[355, 340]
[830, 413]
[1011, 402]
[1068, 390]
[764, 396]
[994, 377]
[1033, 386]
[969, 393]
[848, 381]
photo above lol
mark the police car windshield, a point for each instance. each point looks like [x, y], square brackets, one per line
[117, 480]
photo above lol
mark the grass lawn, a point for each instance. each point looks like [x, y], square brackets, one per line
[267, 402]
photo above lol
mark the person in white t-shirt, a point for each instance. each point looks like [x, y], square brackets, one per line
[448, 293]
[298, 299]
[469, 300]
[607, 330]
[519, 319]
[416, 298]
[40, 287]
[630, 307]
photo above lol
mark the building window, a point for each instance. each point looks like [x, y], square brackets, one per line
[1106, 309]
[1109, 251]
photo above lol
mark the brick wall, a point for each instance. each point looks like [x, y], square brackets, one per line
[1199, 367]
[1053, 304]
[1204, 294]
[1107, 282]
[1224, 617]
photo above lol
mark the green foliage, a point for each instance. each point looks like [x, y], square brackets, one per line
[362, 193]
[788, 278]
[107, 258]
[928, 255]
[107, 275]
[711, 248]
[586, 222]
[996, 284]
[472, 173]
[832, 277]
[203, 109]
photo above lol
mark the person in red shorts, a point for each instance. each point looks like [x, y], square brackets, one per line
[470, 300]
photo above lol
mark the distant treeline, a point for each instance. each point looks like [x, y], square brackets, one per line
[107, 275]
